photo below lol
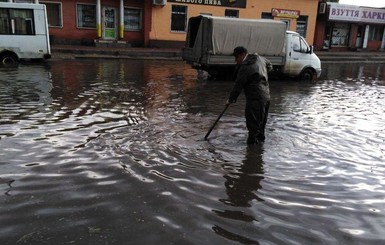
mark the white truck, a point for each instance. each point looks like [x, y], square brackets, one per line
[23, 32]
[210, 42]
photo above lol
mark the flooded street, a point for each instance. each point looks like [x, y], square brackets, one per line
[112, 152]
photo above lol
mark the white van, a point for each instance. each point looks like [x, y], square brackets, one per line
[23, 32]
[210, 42]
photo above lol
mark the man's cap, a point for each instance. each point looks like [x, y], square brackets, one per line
[239, 50]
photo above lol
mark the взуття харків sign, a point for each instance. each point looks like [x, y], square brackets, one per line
[357, 14]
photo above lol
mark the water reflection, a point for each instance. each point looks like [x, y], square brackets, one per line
[367, 73]
[243, 184]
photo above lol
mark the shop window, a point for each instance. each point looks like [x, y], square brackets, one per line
[267, 15]
[178, 18]
[302, 25]
[231, 13]
[133, 19]
[86, 15]
[376, 33]
[54, 14]
[340, 34]
[17, 21]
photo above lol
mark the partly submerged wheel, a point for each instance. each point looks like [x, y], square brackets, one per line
[221, 73]
[307, 75]
[8, 60]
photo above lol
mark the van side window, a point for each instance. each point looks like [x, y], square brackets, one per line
[299, 45]
[296, 45]
[17, 22]
[304, 47]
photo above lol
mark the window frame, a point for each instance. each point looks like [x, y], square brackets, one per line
[185, 19]
[303, 19]
[77, 16]
[140, 18]
[376, 33]
[60, 13]
[233, 11]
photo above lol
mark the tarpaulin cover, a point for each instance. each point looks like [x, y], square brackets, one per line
[266, 37]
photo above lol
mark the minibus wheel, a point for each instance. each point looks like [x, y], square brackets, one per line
[8, 60]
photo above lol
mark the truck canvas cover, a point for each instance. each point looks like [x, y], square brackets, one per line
[221, 35]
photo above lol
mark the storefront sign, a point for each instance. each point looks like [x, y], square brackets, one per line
[286, 13]
[219, 3]
[356, 13]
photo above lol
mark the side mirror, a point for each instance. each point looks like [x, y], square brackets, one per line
[311, 49]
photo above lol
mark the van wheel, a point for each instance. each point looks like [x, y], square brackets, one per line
[8, 60]
[307, 75]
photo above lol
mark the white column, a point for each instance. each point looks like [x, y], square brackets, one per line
[121, 19]
[98, 18]
[366, 37]
[383, 40]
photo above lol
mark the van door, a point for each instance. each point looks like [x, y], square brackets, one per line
[299, 55]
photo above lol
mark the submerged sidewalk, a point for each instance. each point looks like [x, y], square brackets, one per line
[74, 52]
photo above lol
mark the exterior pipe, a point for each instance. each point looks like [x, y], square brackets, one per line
[98, 19]
[121, 19]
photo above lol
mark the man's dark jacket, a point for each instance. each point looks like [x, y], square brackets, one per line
[248, 78]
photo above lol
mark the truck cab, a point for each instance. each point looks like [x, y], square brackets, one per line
[300, 58]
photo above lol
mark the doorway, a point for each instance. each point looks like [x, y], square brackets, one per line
[109, 23]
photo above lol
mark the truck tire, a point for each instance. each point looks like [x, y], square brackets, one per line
[221, 73]
[8, 60]
[307, 75]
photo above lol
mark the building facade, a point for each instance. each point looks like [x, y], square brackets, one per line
[348, 27]
[169, 18]
[161, 23]
[97, 21]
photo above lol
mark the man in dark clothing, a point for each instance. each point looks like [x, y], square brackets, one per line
[251, 77]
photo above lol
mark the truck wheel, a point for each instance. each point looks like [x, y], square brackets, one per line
[8, 60]
[307, 75]
[221, 74]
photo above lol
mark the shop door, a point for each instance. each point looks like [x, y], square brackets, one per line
[360, 36]
[109, 23]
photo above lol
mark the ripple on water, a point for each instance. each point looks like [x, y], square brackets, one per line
[119, 154]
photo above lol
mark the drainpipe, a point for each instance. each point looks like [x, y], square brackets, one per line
[121, 18]
[98, 21]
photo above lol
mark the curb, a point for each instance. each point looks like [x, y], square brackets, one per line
[175, 54]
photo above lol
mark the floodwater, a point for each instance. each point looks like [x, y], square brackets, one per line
[112, 152]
